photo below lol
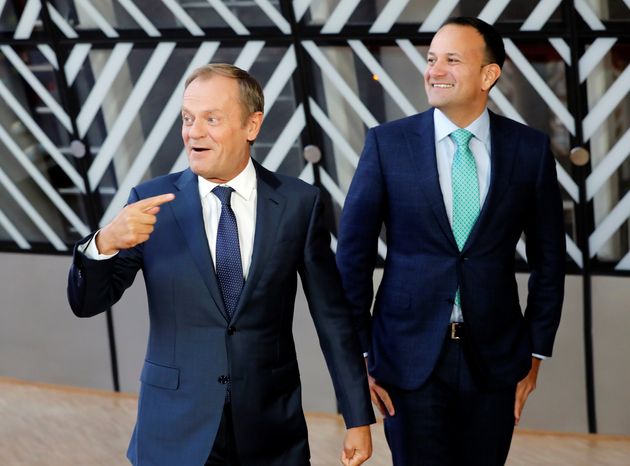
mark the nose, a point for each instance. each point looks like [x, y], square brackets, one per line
[195, 131]
[437, 68]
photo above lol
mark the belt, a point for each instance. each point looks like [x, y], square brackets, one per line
[455, 330]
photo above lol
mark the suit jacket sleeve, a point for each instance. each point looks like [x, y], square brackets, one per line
[95, 285]
[545, 244]
[360, 226]
[333, 322]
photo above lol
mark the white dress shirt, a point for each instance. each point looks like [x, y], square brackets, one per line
[243, 202]
[445, 149]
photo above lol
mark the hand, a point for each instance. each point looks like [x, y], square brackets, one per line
[524, 388]
[132, 226]
[380, 398]
[357, 446]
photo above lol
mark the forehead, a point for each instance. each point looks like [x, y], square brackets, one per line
[218, 92]
[455, 38]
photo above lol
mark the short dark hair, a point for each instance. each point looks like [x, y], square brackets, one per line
[495, 51]
[252, 98]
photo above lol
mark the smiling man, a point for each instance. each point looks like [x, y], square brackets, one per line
[452, 359]
[220, 246]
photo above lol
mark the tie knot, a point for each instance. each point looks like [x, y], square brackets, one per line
[223, 193]
[461, 137]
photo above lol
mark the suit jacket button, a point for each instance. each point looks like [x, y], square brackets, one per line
[223, 379]
[231, 330]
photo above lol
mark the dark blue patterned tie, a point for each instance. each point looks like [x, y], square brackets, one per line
[228, 253]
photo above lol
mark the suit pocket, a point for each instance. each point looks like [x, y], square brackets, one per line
[287, 377]
[160, 376]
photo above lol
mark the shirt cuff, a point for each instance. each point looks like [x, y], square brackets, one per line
[90, 250]
[539, 356]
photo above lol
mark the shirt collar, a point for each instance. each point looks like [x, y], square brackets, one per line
[480, 128]
[243, 184]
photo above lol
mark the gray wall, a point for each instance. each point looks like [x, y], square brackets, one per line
[40, 340]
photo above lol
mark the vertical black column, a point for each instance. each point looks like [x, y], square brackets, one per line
[578, 106]
[91, 198]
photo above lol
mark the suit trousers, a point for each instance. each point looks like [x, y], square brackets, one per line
[451, 420]
[224, 451]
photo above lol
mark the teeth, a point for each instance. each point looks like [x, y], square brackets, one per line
[442, 86]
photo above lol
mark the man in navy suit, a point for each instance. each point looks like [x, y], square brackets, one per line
[220, 246]
[452, 359]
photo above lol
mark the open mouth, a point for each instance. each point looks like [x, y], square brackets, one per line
[199, 149]
[442, 85]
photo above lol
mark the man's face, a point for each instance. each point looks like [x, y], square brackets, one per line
[214, 129]
[457, 78]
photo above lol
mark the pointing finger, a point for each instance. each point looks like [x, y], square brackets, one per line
[150, 202]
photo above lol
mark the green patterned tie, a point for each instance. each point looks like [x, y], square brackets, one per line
[465, 190]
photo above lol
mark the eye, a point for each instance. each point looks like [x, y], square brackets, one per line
[453, 60]
[431, 61]
[187, 120]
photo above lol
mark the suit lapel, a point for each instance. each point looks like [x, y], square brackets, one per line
[502, 153]
[421, 147]
[269, 208]
[187, 209]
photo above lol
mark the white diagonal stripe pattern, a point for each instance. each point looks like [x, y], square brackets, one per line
[229, 17]
[562, 48]
[286, 140]
[41, 137]
[92, 104]
[333, 133]
[274, 15]
[279, 78]
[609, 225]
[493, 10]
[97, 17]
[49, 53]
[183, 17]
[383, 78]
[388, 16]
[608, 165]
[440, 13]
[43, 183]
[248, 54]
[37, 87]
[540, 15]
[159, 132]
[606, 104]
[140, 18]
[588, 15]
[61, 22]
[338, 18]
[30, 14]
[128, 113]
[335, 78]
[594, 54]
[300, 7]
[30, 211]
[75, 61]
[13, 232]
[540, 86]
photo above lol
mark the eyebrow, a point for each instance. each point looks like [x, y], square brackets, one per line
[213, 110]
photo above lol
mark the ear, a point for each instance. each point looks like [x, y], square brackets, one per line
[489, 76]
[254, 122]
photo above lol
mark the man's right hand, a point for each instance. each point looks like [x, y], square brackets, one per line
[380, 397]
[132, 226]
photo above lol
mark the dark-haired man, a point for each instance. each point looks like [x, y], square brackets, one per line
[452, 358]
[220, 246]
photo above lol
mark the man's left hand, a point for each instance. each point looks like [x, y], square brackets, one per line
[524, 388]
[357, 446]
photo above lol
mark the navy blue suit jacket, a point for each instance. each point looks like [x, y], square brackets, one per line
[396, 184]
[193, 347]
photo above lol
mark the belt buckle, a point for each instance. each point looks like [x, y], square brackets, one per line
[454, 326]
